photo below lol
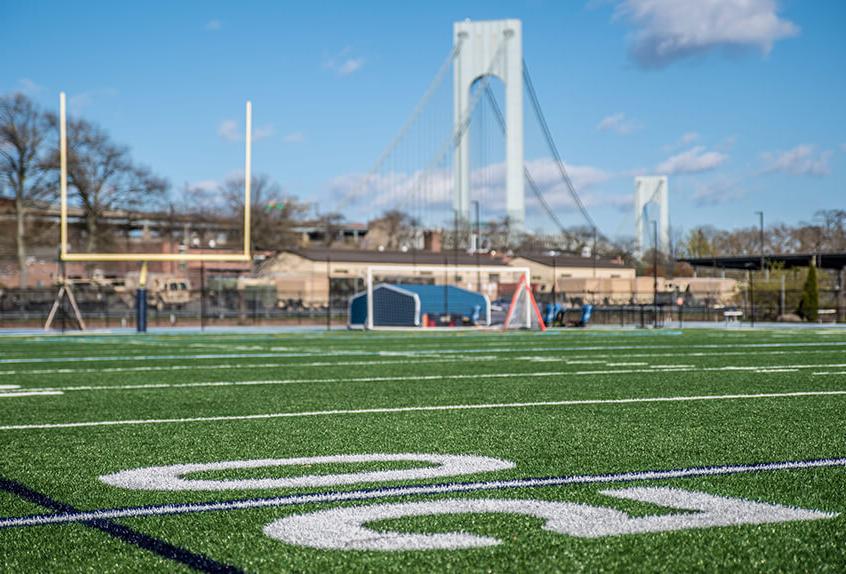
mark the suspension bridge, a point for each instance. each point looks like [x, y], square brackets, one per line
[471, 146]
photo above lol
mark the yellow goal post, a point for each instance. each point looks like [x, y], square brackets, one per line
[147, 257]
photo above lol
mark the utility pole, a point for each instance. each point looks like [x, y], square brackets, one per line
[328, 291]
[594, 252]
[655, 272]
[751, 295]
[761, 237]
[554, 277]
[476, 249]
[455, 247]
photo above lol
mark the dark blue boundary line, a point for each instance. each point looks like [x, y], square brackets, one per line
[164, 549]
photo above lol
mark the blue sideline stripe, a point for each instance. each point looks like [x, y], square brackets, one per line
[423, 490]
[164, 549]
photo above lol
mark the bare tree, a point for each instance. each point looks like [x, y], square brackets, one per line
[23, 131]
[393, 230]
[104, 178]
[273, 214]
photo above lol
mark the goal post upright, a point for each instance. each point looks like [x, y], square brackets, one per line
[244, 256]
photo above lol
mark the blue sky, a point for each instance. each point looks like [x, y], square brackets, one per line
[740, 101]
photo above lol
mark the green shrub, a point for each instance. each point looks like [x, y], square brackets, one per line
[810, 304]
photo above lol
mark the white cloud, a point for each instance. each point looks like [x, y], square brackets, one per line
[206, 185]
[85, 99]
[688, 138]
[434, 188]
[718, 192]
[344, 63]
[263, 132]
[619, 123]
[29, 87]
[843, 147]
[668, 30]
[228, 130]
[214, 25]
[695, 160]
[231, 131]
[294, 137]
[803, 159]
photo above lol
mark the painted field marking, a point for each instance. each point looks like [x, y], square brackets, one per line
[451, 349]
[430, 408]
[32, 393]
[193, 560]
[206, 367]
[426, 359]
[344, 527]
[418, 378]
[423, 490]
[172, 477]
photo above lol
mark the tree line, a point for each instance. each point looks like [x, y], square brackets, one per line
[103, 176]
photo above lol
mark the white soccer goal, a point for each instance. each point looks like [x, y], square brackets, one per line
[421, 296]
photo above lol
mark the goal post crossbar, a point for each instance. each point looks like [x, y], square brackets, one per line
[65, 255]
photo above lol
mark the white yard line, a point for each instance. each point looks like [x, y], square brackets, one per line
[33, 393]
[451, 349]
[429, 408]
[243, 366]
[599, 360]
[446, 377]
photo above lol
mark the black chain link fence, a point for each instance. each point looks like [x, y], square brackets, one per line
[222, 304]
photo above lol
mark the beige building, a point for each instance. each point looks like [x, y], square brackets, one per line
[619, 290]
[303, 276]
[544, 267]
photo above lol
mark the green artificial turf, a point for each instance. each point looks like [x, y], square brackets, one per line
[160, 380]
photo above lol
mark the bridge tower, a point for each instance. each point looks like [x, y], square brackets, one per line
[491, 47]
[651, 189]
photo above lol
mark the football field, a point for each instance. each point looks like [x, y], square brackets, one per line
[597, 450]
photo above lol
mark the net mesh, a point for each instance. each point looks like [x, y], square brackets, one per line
[523, 311]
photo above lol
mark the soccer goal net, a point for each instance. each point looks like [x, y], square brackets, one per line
[446, 296]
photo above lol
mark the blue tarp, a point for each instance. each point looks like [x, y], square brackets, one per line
[435, 300]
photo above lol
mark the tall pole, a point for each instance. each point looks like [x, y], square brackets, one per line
[761, 238]
[752, 296]
[248, 177]
[476, 248]
[328, 292]
[202, 295]
[554, 278]
[455, 248]
[655, 272]
[594, 253]
[63, 176]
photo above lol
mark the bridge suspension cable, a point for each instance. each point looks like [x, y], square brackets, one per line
[553, 149]
[406, 127]
[526, 173]
[455, 136]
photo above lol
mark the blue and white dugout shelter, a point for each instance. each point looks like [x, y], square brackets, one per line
[405, 304]
[402, 303]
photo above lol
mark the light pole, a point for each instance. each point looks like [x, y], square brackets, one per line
[594, 252]
[761, 237]
[554, 254]
[655, 272]
[478, 243]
